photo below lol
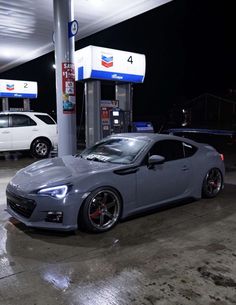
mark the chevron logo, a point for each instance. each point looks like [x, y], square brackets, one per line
[107, 61]
[10, 87]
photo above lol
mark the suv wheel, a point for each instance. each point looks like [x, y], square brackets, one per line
[40, 148]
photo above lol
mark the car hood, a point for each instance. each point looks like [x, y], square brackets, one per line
[55, 171]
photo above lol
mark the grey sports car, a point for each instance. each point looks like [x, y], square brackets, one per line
[120, 175]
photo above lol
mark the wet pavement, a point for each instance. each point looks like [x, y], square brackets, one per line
[179, 255]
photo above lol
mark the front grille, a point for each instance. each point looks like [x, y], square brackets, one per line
[20, 205]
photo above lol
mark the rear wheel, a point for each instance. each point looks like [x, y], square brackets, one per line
[101, 210]
[40, 148]
[212, 183]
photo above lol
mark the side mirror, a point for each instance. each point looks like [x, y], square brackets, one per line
[155, 159]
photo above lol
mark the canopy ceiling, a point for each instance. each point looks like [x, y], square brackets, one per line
[26, 26]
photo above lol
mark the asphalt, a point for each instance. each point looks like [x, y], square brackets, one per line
[184, 254]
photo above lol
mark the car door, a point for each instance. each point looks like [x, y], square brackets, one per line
[22, 127]
[5, 134]
[169, 180]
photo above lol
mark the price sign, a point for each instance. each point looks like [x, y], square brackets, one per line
[68, 87]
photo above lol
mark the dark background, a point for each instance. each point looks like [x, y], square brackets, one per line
[189, 47]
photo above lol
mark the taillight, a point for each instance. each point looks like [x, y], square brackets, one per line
[222, 157]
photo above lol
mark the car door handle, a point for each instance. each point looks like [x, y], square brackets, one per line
[6, 132]
[35, 129]
[185, 168]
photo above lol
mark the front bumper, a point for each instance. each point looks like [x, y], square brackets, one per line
[33, 210]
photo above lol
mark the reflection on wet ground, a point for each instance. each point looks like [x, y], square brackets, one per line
[179, 255]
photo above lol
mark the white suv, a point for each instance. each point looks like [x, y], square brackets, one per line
[33, 131]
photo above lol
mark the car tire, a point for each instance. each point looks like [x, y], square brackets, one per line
[212, 183]
[40, 148]
[101, 210]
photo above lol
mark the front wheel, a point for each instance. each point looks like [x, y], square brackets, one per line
[40, 148]
[212, 183]
[101, 210]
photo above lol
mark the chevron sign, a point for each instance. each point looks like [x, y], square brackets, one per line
[107, 61]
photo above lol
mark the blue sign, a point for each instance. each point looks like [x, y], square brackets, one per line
[73, 27]
[18, 95]
[143, 127]
[122, 77]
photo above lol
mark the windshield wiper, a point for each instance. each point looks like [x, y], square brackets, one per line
[78, 156]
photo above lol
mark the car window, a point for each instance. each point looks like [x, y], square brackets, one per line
[189, 150]
[170, 149]
[46, 119]
[4, 119]
[115, 150]
[20, 120]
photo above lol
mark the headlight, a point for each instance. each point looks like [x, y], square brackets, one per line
[58, 192]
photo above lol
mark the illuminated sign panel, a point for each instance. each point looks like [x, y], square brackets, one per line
[18, 89]
[109, 64]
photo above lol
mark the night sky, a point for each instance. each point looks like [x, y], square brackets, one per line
[189, 47]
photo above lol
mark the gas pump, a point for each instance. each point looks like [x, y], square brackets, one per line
[122, 68]
[119, 121]
[113, 119]
[106, 108]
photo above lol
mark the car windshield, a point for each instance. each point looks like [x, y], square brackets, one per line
[115, 150]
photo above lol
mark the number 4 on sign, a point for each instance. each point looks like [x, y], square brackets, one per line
[130, 59]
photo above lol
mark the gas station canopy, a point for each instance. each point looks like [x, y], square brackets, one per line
[26, 26]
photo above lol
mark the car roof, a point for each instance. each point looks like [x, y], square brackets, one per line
[155, 137]
[23, 112]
